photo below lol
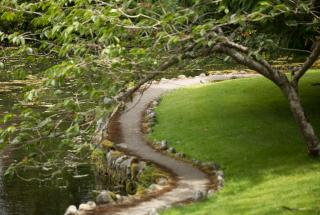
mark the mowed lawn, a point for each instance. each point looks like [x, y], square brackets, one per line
[246, 126]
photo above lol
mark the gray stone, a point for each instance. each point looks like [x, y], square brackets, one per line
[197, 162]
[152, 122]
[162, 181]
[104, 197]
[210, 192]
[153, 211]
[119, 160]
[163, 145]
[182, 77]
[199, 195]
[180, 155]
[219, 173]
[154, 187]
[220, 178]
[149, 111]
[151, 115]
[172, 150]
[155, 103]
[119, 198]
[89, 206]
[126, 165]
[215, 166]
[202, 75]
[71, 210]
[107, 100]
[164, 80]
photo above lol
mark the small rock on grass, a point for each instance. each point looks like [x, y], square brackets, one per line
[210, 192]
[163, 145]
[199, 195]
[180, 155]
[172, 150]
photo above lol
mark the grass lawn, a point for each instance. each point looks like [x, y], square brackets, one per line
[246, 126]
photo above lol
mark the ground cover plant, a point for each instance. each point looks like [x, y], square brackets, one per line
[246, 126]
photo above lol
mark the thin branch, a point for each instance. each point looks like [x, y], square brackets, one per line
[246, 61]
[308, 63]
[24, 11]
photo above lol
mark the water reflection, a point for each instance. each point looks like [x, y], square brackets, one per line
[18, 197]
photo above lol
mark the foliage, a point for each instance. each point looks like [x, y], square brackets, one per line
[105, 48]
[252, 136]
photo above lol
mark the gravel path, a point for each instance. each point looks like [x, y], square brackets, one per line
[189, 179]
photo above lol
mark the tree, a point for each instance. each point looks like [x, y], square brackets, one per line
[121, 45]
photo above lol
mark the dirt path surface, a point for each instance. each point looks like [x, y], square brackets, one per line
[189, 179]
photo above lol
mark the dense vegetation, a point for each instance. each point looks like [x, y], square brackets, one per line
[105, 50]
[246, 127]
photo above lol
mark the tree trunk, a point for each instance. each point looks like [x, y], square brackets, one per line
[313, 143]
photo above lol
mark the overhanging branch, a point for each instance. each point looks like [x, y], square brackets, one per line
[308, 63]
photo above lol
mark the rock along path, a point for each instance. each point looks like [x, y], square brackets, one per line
[189, 179]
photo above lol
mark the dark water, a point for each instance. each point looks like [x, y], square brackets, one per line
[18, 197]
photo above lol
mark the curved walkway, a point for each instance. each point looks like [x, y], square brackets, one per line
[189, 179]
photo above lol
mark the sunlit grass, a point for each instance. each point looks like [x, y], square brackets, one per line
[246, 126]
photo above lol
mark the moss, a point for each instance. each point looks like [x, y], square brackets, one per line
[116, 154]
[107, 144]
[141, 191]
[134, 170]
[97, 156]
[150, 175]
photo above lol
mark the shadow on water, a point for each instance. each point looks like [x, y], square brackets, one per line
[19, 197]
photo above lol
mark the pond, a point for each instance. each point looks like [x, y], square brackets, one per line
[20, 197]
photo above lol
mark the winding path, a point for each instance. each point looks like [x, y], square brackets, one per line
[189, 179]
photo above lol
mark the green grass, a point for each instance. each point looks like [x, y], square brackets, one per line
[246, 126]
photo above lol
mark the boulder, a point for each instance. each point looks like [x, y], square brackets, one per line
[71, 210]
[119, 160]
[104, 197]
[202, 75]
[126, 166]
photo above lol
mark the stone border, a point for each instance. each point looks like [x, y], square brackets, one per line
[210, 168]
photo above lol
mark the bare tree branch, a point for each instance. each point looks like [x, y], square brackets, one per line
[251, 63]
[308, 63]
[24, 11]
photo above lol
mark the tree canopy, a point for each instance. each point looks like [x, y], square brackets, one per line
[105, 50]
